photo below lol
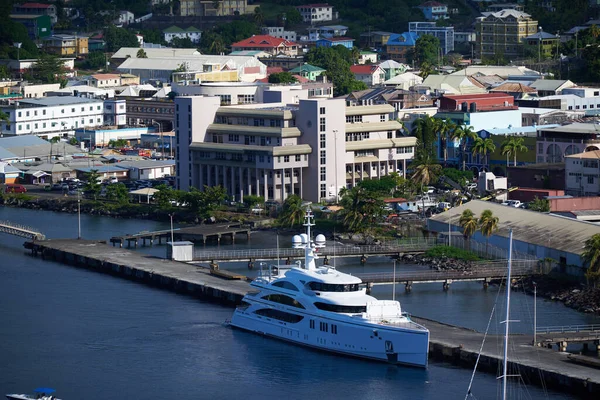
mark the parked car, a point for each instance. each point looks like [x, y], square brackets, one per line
[471, 186]
[14, 188]
[512, 203]
[57, 186]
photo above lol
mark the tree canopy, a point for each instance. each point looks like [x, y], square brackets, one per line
[119, 37]
[427, 50]
[337, 61]
[48, 69]
[282, 77]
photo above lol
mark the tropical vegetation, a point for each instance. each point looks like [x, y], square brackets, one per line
[483, 147]
[463, 134]
[540, 205]
[469, 223]
[293, 211]
[511, 146]
[488, 224]
[591, 257]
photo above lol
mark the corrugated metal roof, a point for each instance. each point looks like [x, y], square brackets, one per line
[569, 235]
[551, 84]
[514, 87]
[124, 52]
[370, 110]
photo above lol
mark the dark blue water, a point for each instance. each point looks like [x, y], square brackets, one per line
[93, 336]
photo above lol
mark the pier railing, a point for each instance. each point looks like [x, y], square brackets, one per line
[568, 329]
[406, 245]
[12, 228]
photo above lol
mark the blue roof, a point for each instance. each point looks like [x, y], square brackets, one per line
[23, 140]
[403, 39]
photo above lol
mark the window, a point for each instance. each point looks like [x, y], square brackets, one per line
[323, 173]
[323, 157]
[286, 285]
[73, 109]
[259, 122]
[540, 148]
[322, 125]
[27, 114]
[590, 179]
[286, 159]
[234, 138]
[341, 308]
[334, 329]
[298, 157]
[323, 190]
[322, 111]
[382, 118]
[322, 140]
[43, 112]
[330, 287]
[283, 299]
[280, 315]
[312, 324]
[390, 134]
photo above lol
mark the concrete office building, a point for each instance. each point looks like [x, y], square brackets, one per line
[288, 145]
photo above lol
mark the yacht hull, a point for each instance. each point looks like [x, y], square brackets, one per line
[384, 343]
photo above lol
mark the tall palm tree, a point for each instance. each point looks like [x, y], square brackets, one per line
[293, 211]
[463, 133]
[424, 130]
[511, 146]
[444, 129]
[483, 147]
[468, 223]
[259, 17]
[488, 224]
[591, 256]
[425, 172]
[353, 200]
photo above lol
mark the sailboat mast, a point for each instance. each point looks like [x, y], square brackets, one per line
[507, 320]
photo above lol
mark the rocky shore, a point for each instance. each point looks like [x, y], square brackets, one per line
[437, 263]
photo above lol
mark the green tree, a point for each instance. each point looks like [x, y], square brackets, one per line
[164, 196]
[383, 186]
[540, 205]
[92, 186]
[116, 38]
[73, 141]
[117, 143]
[458, 176]
[483, 147]
[424, 130]
[251, 200]
[444, 129]
[427, 49]
[4, 116]
[463, 134]
[4, 72]
[141, 54]
[469, 224]
[293, 211]
[512, 146]
[117, 192]
[361, 208]
[292, 17]
[488, 224]
[336, 61]
[282, 77]
[48, 69]
[54, 139]
[259, 17]
[96, 60]
[591, 257]
[183, 43]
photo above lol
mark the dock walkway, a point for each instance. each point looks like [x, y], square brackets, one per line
[449, 343]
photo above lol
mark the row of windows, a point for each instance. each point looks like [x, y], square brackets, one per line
[585, 106]
[273, 123]
[280, 315]
[283, 299]
[324, 326]
[340, 308]
[357, 137]
[62, 111]
[405, 150]
[233, 138]
[153, 110]
[329, 287]
[43, 125]
[350, 119]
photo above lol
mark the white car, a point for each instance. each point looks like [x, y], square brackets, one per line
[472, 186]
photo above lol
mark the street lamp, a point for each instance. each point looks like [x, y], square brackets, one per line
[534, 313]
[540, 45]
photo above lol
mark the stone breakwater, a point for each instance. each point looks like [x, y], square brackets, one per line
[437, 263]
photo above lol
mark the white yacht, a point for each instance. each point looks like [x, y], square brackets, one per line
[326, 309]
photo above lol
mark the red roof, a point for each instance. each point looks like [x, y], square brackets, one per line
[263, 41]
[274, 70]
[480, 96]
[364, 69]
[34, 5]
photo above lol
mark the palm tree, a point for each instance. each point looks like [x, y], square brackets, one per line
[444, 129]
[468, 223]
[511, 146]
[424, 130]
[425, 172]
[483, 147]
[293, 211]
[591, 256]
[488, 224]
[141, 53]
[352, 200]
[463, 133]
[259, 17]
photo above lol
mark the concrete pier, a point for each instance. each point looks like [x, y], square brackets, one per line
[449, 343]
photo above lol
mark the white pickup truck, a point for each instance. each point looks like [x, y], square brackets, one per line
[512, 203]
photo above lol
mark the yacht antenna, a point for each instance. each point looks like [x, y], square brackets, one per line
[394, 283]
[506, 331]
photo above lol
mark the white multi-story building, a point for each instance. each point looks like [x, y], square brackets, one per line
[582, 174]
[312, 13]
[52, 116]
[279, 32]
[578, 98]
[444, 33]
[294, 145]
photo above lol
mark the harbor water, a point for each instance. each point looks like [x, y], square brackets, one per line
[94, 336]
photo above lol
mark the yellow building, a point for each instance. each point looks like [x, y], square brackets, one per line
[543, 44]
[66, 45]
[502, 33]
[206, 8]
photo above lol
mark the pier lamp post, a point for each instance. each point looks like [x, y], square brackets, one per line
[78, 214]
[534, 313]
[172, 236]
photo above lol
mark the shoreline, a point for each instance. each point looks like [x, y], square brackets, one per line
[574, 295]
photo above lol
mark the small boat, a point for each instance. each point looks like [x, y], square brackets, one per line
[325, 309]
[42, 393]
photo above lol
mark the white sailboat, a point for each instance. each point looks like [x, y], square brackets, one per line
[506, 323]
[322, 308]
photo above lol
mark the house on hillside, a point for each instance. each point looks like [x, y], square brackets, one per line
[314, 13]
[308, 71]
[393, 68]
[173, 32]
[400, 46]
[432, 10]
[372, 75]
[336, 41]
[269, 44]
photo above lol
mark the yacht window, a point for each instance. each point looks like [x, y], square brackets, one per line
[283, 299]
[285, 285]
[279, 315]
[328, 287]
[340, 308]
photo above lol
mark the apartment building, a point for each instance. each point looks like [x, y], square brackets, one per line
[502, 33]
[66, 45]
[51, 116]
[211, 8]
[313, 13]
[269, 44]
[555, 144]
[582, 174]
[295, 145]
[433, 10]
[37, 9]
[444, 33]
[279, 32]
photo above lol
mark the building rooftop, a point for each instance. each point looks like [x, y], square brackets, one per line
[56, 101]
[431, 4]
[550, 84]
[306, 68]
[507, 13]
[364, 69]
[542, 36]
[533, 227]
[541, 166]
[577, 127]
[125, 52]
[513, 87]
[403, 39]
[337, 39]
[34, 5]
[503, 71]
[590, 155]
[263, 41]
